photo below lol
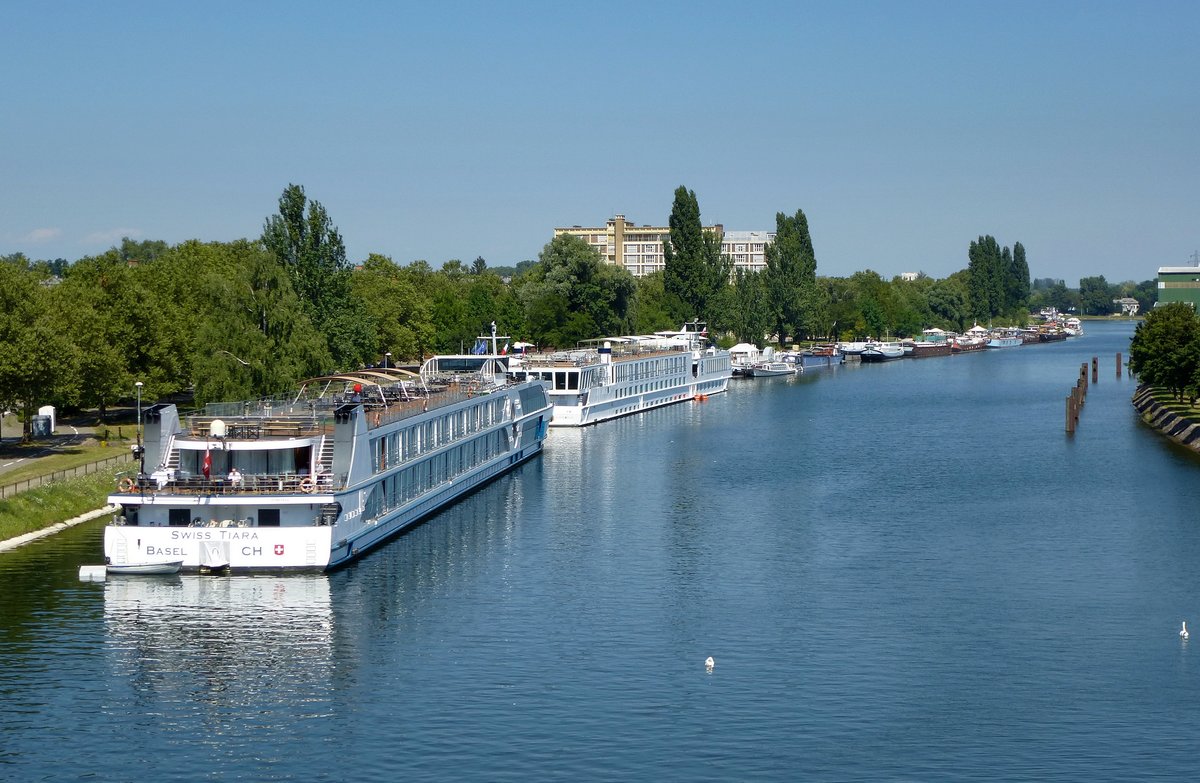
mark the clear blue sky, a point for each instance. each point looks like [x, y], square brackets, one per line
[904, 130]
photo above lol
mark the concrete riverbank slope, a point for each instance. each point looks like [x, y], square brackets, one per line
[1179, 428]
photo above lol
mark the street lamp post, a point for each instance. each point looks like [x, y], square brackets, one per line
[386, 356]
[140, 451]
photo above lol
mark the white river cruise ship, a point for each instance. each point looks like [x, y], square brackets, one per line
[314, 481]
[627, 375]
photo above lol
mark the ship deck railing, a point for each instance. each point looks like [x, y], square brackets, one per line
[443, 391]
[251, 484]
[256, 428]
[589, 357]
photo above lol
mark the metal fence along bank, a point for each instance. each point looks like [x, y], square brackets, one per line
[8, 490]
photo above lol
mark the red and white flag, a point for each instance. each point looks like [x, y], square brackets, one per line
[206, 468]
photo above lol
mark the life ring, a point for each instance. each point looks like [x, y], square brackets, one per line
[307, 486]
[126, 484]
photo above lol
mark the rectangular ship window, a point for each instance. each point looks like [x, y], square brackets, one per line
[268, 517]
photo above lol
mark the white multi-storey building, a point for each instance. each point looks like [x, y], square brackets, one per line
[640, 248]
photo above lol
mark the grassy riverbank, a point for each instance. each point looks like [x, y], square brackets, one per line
[46, 505]
[1180, 407]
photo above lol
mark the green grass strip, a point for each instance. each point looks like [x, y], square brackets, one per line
[53, 503]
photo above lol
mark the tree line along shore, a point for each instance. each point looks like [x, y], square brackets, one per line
[252, 317]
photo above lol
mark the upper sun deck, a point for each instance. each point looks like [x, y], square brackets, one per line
[620, 349]
[387, 395]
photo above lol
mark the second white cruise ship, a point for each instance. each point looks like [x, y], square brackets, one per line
[626, 375]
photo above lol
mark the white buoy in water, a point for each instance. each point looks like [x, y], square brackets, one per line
[93, 573]
[709, 663]
[1183, 634]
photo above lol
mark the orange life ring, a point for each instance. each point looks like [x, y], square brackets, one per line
[307, 485]
[126, 484]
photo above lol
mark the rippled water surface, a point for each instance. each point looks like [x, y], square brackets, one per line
[903, 571]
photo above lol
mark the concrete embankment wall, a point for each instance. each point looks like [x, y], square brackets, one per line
[13, 543]
[1182, 430]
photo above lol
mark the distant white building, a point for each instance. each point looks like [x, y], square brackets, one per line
[640, 248]
[1129, 305]
[910, 276]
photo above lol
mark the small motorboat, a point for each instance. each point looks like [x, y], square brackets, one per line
[767, 369]
[146, 569]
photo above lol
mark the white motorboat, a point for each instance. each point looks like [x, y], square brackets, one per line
[768, 369]
[882, 352]
[146, 569]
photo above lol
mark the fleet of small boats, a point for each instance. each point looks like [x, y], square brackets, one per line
[750, 362]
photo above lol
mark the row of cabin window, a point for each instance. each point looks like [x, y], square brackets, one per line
[390, 450]
[409, 484]
[670, 365]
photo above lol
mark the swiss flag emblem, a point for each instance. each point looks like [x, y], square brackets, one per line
[279, 549]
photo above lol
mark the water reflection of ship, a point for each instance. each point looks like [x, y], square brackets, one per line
[195, 638]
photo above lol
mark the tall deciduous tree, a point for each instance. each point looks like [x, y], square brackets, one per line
[1095, 296]
[985, 278]
[146, 311]
[37, 359]
[1018, 280]
[751, 311]
[1165, 350]
[694, 269]
[791, 274]
[650, 310]
[948, 302]
[304, 239]
[397, 299]
[255, 338]
[572, 295]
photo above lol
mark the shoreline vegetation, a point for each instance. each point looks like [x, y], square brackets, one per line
[216, 321]
[51, 504]
[45, 508]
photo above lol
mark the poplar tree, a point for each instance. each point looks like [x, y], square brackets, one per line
[694, 270]
[1018, 279]
[791, 274]
[985, 278]
[306, 242]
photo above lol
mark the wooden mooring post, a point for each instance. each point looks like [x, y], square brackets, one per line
[1095, 369]
[1118, 364]
[1076, 398]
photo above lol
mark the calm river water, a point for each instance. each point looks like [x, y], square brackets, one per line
[904, 571]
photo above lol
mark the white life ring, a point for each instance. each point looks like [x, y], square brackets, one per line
[307, 485]
[126, 484]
